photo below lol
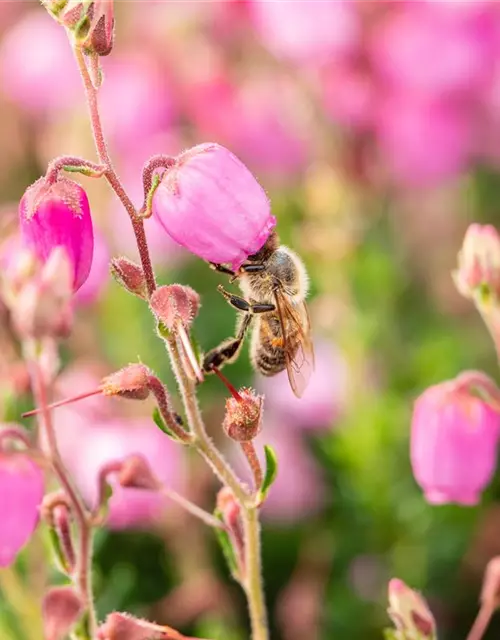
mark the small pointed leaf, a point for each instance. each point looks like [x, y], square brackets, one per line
[270, 474]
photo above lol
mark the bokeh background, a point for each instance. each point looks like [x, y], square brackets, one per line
[375, 128]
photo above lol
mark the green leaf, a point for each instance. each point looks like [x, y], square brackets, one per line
[270, 474]
[163, 332]
[160, 423]
[58, 551]
[227, 547]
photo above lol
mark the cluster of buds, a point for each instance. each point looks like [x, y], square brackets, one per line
[90, 22]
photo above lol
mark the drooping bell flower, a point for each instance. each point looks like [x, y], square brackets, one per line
[212, 205]
[57, 214]
[454, 436]
[21, 482]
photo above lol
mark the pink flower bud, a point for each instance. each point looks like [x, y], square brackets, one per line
[130, 276]
[57, 214]
[479, 262]
[211, 204]
[61, 608]
[174, 304]
[243, 419]
[136, 473]
[130, 382]
[454, 437]
[22, 492]
[123, 626]
[409, 612]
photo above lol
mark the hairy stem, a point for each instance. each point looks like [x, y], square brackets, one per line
[82, 573]
[110, 173]
[253, 574]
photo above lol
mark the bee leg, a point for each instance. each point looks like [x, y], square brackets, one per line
[222, 269]
[241, 304]
[229, 349]
[253, 268]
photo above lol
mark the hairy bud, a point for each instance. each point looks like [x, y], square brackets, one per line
[61, 609]
[122, 626]
[91, 23]
[130, 382]
[130, 276]
[136, 473]
[243, 419]
[175, 304]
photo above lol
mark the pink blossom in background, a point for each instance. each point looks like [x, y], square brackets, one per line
[423, 144]
[298, 491]
[99, 276]
[58, 215]
[136, 100]
[322, 400]
[306, 31]
[349, 94]
[164, 251]
[212, 205]
[453, 450]
[87, 445]
[429, 53]
[22, 491]
[39, 77]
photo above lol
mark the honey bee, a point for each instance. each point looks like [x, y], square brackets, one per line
[274, 285]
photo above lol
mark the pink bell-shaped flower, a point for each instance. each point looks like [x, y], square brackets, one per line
[211, 204]
[57, 214]
[21, 482]
[453, 444]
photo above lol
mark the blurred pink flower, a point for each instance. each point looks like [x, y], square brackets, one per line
[430, 53]
[349, 94]
[306, 31]
[211, 204]
[423, 143]
[87, 445]
[454, 438]
[20, 497]
[58, 215]
[37, 69]
[163, 250]
[298, 491]
[323, 398]
[99, 275]
[136, 101]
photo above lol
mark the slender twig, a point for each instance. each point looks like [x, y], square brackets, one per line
[192, 508]
[110, 174]
[82, 574]
[481, 622]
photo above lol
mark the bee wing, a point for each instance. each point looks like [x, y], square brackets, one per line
[299, 354]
